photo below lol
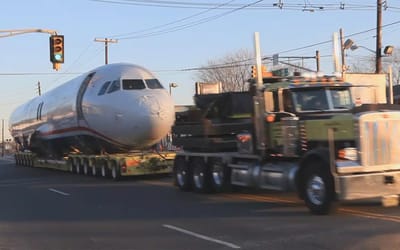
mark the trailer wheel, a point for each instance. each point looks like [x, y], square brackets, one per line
[201, 176]
[94, 171]
[78, 167]
[104, 169]
[85, 167]
[182, 174]
[220, 174]
[318, 189]
[71, 165]
[115, 172]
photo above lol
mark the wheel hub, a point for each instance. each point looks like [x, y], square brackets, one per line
[316, 190]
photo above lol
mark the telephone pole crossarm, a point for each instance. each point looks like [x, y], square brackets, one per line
[105, 41]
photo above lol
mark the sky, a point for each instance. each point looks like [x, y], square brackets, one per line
[171, 37]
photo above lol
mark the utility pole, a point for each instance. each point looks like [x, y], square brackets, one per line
[39, 90]
[378, 60]
[317, 59]
[2, 138]
[106, 41]
[342, 50]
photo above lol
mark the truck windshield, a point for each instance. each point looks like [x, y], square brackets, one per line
[322, 99]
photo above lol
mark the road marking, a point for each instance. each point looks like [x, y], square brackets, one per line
[354, 212]
[253, 197]
[203, 237]
[359, 213]
[158, 183]
[58, 192]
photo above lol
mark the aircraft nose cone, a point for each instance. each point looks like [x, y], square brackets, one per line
[158, 116]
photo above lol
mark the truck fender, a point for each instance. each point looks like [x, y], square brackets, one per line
[315, 155]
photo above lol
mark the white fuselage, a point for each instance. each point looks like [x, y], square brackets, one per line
[117, 104]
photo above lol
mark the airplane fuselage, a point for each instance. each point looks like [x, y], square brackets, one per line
[116, 107]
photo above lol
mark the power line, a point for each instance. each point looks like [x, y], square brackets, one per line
[190, 24]
[307, 6]
[173, 22]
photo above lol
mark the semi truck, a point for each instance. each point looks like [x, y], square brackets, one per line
[292, 134]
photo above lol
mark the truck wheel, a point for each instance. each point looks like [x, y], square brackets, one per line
[115, 172]
[182, 174]
[219, 175]
[201, 176]
[318, 189]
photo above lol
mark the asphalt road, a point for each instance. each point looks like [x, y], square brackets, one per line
[43, 209]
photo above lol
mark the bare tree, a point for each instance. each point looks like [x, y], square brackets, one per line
[232, 70]
[367, 64]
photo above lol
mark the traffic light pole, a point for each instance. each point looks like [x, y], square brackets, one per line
[8, 33]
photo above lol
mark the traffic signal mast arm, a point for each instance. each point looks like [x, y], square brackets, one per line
[24, 31]
[56, 43]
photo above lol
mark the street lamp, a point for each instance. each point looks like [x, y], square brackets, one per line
[349, 44]
[387, 51]
[172, 85]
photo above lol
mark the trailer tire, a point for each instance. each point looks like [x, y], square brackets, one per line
[71, 165]
[78, 167]
[104, 169]
[95, 171]
[318, 189]
[201, 176]
[182, 175]
[86, 167]
[115, 171]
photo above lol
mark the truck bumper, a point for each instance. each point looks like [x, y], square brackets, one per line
[370, 185]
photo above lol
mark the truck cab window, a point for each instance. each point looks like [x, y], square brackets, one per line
[132, 84]
[287, 101]
[311, 100]
[341, 99]
[115, 86]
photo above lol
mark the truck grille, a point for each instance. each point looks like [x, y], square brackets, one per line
[379, 138]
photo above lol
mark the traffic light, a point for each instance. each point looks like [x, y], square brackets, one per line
[57, 49]
[253, 71]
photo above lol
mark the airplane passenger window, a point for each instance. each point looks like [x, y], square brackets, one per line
[153, 84]
[133, 84]
[104, 88]
[115, 86]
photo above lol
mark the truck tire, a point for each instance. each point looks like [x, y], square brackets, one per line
[182, 174]
[220, 173]
[201, 176]
[318, 189]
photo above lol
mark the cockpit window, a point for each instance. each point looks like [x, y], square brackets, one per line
[104, 88]
[115, 86]
[133, 84]
[153, 84]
